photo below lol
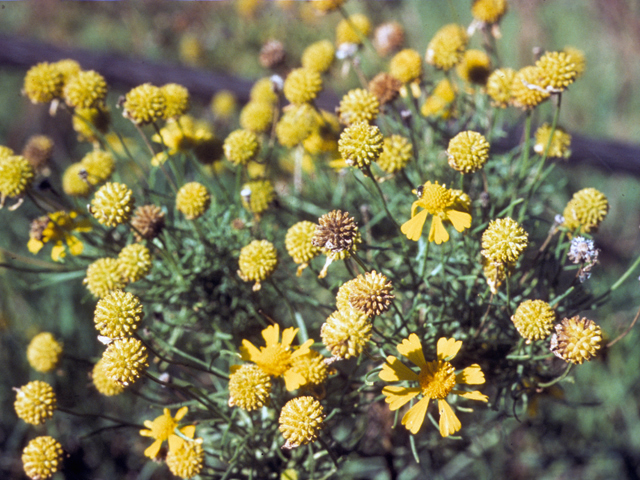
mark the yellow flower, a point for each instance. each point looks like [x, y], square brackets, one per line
[396, 153]
[443, 204]
[319, 56]
[558, 70]
[42, 457]
[144, 104]
[224, 104]
[125, 359]
[86, 89]
[312, 367]
[354, 30]
[300, 421]
[249, 387]
[112, 204]
[576, 339]
[325, 6]
[296, 124]
[446, 48]
[103, 382]
[499, 86]
[406, 65]
[257, 195]
[59, 231]
[86, 121]
[534, 319]
[440, 102]
[118, 314]
[257, 116]
[586, 210]
[503, 241]
[302, 85]
[241, 146]
[263, 92]
[193, 199]
[16, 175]
[177, 100]
[162, 428]
[134, 262]
[35, 402]
[577, 58]
[489, 11]
[257, 262]
[99, 166]
[474, 67]
[360, 144]
[276, 357]
[299, 246]
[346, 333]
[560, 142]
[43, 82]
[103, 276]
[185, 458]
[436, 380]
[468, 151]
[358, 105]
[527, 88]
[44, 352]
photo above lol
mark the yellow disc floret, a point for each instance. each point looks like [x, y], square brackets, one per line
[44, 352]
[35, 402]
[193, 199]
[503, 241]
[534, 320]
[300, 421]
[42, 457]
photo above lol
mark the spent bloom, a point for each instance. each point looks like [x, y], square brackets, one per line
[370, 293]
[560, 142]
[144, 104]
[360, 144]
[161, 428]
[583, 252]
[44, 352]
[298, 244]
[103, 382]
[37, 151]
[358, 105]
[42, 457]
[192, 200]
[576, 339]
[445, 205]
[388, 37]
[436, 380]
[35, 402]
[586, 210]
[249, 387]
[385, 87]
[276, 357]
[475, 67]
[534, 320]
[447, 46]
[345, 333]
[125, 359]
[118, 314]
[300, 421]
[302, 85]
[58, 229]
[503, 241]
[468, 151]
[103, 276]
[257, 262]
[336, 231]
[134, 262]
[147, 222]
[113, 204]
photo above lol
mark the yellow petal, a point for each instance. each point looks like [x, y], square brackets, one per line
[475, 395]
[75, 246]
[271, 334]
[249, 352]
[34, 245]
[57, 252]
[146, 433]
[449, 423]
[414, 418]
[415, 205]
[175, 442]
[471, 375]
[153, 449]
[293, 380]
[459, 220]
[181, 413]
[394, 371]
[288, 334]
[413, 227]
[412, 349]
[437, 232]
[396, 397]
[303, 349]
[448, 348]
[188, 431]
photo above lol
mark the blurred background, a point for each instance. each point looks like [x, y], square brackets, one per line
[592, 431]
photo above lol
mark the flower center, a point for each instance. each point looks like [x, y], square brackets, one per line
[163, 427]
[274, 360]
[437, 379]
[435, 198]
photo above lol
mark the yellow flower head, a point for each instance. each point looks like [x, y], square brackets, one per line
[147, 222]
[353, 31]
[468, 151]
[185, 458]
[360, 144]
[163, 427]
[489, 11]
[35, 402]
[125, 359]
[75, 181]
[499, 86]
[447, 46]
[558, 70]
[302, 85]
[224, 104]
[103, 276]
[345, 333]
[586, 210]
[474, 67]
[528, 88]
[118, 314]
[134, 262]
[193, 199]
[42, 457]
[103, 382]
[445, 205]
[436, 380]
[144, 104]
[560, 143]
[312, 367]
[276, 357]
[298, 244]
[257, 195]
[16, 175]
[577, 58]
[257, 116]
[241, 146]
[113, 204]
[263, 92]
[576, 340]
[406, 65]
[503, 241]
[318, 56]
[68, 68]
[440, 102]
[86, 120]
[358, 105]
[296, 124]
[534, 320]
[59, 229]
[396, 153]
[249, 387]
[44, 352]
[257, 262]
[177, 100]
[335, 231]
[99, 166]
[325, 6]
[86, 89]
[370, 293]
[300, 421]
[43, 83]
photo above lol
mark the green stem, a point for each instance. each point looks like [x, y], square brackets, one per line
[99, 415]
[558, 379]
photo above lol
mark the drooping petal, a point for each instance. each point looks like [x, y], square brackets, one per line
[414, 418]
[412, 349]
[471, 375]
[414, 207]
[249, 352]
[181, 413]
[153, 449]
[413, 227]
[303, 349]
[448, 348]
[175, 442]
[293, 380]
[147, 433]
[438, 233]
[394, 371]
[396, 396]
[271, 334]
[449, 423]
[288, 334]
[459, 220]
[188, 431]
[475, 395]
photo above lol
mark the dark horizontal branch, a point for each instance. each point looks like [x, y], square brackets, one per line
[611, 156]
